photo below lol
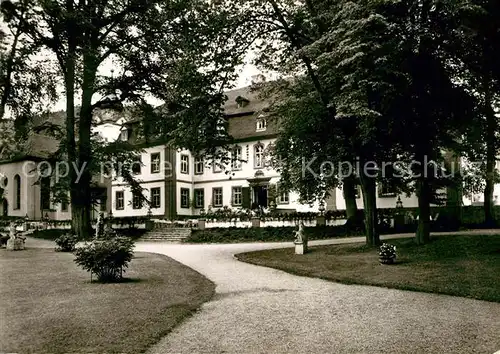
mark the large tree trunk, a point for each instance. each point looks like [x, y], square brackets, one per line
[369, 189]
[454, 191]
[424, 194]
[424, 206]
[81, 221]
[69, 76]
[349, 193]
[489, 218]
[83, 210]
[9, 69]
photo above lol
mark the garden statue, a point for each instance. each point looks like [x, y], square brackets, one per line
[12, 230]
[107, 231]
[299, 234]
[14, 243]
[255, 218]
[300, 240]
[99, 226]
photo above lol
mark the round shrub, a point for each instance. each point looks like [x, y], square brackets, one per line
[66, 243]
[105, 258]
[387, 253]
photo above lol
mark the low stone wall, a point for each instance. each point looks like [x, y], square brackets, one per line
[202, 224]
[225, 224]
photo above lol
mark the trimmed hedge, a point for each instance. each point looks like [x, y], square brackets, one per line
[131, 233]
[51, 234]
[269, 234]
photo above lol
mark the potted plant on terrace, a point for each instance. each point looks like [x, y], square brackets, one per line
[387, 254]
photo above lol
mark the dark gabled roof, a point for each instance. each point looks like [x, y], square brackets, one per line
[244, 127]
[40, 146]
[36, 147]
[99, 115]
[242, 120]
[53, 118]
[254, 104]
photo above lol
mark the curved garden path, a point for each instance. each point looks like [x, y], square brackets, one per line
[262, 310]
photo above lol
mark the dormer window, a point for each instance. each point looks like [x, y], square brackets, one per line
[242, 101]
[124, 135]
[261, 123]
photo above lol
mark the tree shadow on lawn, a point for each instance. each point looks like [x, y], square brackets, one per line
[123, 280]
[52, 307]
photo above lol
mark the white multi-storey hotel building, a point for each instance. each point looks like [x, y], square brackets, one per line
[176, 183]
[179, 185]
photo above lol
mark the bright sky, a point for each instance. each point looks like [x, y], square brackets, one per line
[247, 71]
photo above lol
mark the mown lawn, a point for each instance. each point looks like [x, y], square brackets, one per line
[467, 266]
[50, 306]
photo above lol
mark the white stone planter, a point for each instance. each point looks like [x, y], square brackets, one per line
[15, 244]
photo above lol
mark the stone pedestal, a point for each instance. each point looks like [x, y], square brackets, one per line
[255, 222]
[320, 220]
[399, 222]
[201, 224]
[15, 244]
[300, 247]
[150, 224]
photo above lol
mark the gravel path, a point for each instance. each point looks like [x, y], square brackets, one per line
[32, 242]
[262, 310]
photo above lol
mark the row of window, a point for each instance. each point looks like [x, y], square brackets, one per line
[236, 161]
[261, 125]
[44, 194]
[197, 202]
[155, 163]
[217, 197]
[17, 190]
[137, 202]
[199, 163]
[384, 191]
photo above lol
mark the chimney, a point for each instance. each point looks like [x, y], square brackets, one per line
[258, 79]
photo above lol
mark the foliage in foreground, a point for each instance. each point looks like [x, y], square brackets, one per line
[105, 258]
[66, 242]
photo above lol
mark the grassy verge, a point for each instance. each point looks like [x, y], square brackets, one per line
[49, 305]
[267, 234]
[465, 266]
